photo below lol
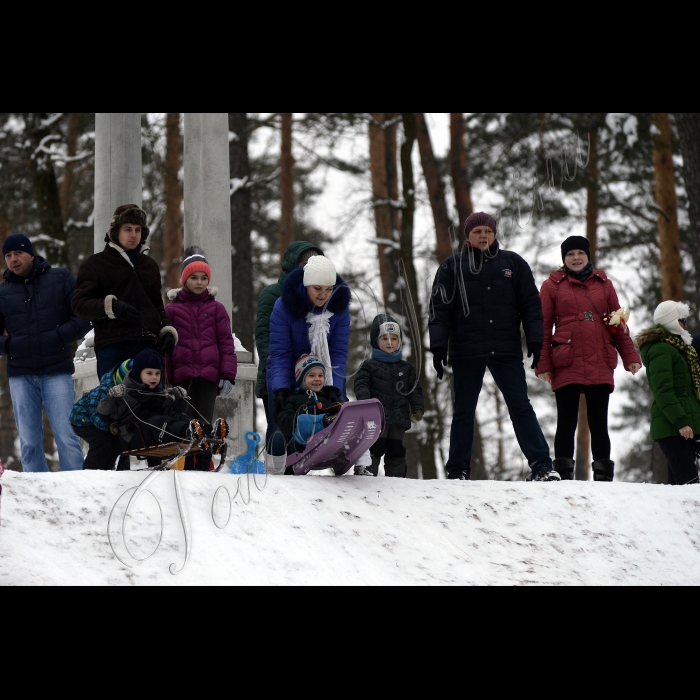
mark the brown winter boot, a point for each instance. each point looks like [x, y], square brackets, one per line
[603, 470]
[565, 468]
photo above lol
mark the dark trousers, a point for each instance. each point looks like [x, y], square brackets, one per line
[597, 400]
[104, 449]
[680, 455]
[509, 375]
[390, 446]
[274, 439]
[111, 356]
[203, 395]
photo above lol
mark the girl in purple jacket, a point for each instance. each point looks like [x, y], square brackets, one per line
[204, 361]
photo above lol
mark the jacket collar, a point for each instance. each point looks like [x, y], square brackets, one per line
[40, 267]
[559, 275]
[296, 301]
[143, 249]
[182, 295]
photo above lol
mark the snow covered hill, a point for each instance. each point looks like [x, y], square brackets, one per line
[350, 531]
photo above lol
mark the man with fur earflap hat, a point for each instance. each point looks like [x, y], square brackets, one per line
[673, 372]
[119, 290]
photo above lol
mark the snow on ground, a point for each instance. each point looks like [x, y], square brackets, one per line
[351, 531]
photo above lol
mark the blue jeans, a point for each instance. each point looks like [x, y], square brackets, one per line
[111, 356]
[509, 375]
[29, 395]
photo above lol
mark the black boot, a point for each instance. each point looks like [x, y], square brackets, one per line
[603, 470]
[565, 467]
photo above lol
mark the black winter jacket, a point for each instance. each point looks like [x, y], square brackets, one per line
[479, 303]
[110, 275]
[36, 313]
[395, 385]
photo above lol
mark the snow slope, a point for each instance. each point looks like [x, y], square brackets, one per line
[351, 531]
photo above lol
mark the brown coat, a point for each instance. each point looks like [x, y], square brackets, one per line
[110, 275]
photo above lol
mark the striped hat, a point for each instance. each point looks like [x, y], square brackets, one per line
[304, 365]
[194, 261]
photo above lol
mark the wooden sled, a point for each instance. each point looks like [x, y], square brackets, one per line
[173, 454]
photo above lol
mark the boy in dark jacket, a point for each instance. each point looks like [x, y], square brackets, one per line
[142, 415]
[304, 411]
[394, 382]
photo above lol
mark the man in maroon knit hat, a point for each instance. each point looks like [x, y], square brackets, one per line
[481, 297]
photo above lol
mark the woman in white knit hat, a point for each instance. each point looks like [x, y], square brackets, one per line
[311, 316]
[673, 372]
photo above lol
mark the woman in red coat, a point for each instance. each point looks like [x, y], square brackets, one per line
[581, 355]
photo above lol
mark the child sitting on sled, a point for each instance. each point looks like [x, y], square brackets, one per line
[310, 408]
[128, 411]
[393, 381]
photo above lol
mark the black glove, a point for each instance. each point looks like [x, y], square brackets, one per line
[281, 396]
[440, 361]
[125, 312]
[178, 393]
[536, 350]
[167, 344]
[333, 394]
[327, 420]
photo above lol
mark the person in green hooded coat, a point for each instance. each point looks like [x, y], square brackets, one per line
[297, 254]
[673, 372]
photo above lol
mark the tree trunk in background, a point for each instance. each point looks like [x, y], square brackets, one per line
[436, 190]
[424, 436]
[669, 236]
[458, 166]
[378, 156]
[286, 186]
[583, 431]
[46, 193]
[244, 303]
[172, 223]
[71, 150]
[392, 178]
[688, 125]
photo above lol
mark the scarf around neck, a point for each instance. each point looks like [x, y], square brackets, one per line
[583, 275]
[390, 358]
[691, 357]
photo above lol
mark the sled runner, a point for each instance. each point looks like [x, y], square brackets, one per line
[358, 426]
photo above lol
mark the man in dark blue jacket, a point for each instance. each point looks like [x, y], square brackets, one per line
[35, 311]
[480, 299]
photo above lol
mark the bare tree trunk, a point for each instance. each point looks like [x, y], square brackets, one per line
[68, 180]
[378, 151]
[458, 165]
[244, 303]
[46, 192]
[172, 223]
[583, 431]
[669, 236]
[286, 185]
[425, 435]
[688, 125]
[436, 190]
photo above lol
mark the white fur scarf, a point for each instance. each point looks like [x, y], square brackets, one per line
[319, 330]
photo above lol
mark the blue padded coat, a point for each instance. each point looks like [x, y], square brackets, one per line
[36, 313]
[289, 332]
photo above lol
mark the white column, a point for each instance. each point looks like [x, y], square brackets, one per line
[208, 225]
[207, 195]
[118, 168]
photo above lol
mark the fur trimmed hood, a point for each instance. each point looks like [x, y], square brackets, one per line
[651, 335]
[173, 293]
[296, 302]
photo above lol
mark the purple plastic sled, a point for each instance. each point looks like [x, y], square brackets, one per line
[358, 426]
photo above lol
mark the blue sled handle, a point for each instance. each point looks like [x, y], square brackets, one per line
[247, 462]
